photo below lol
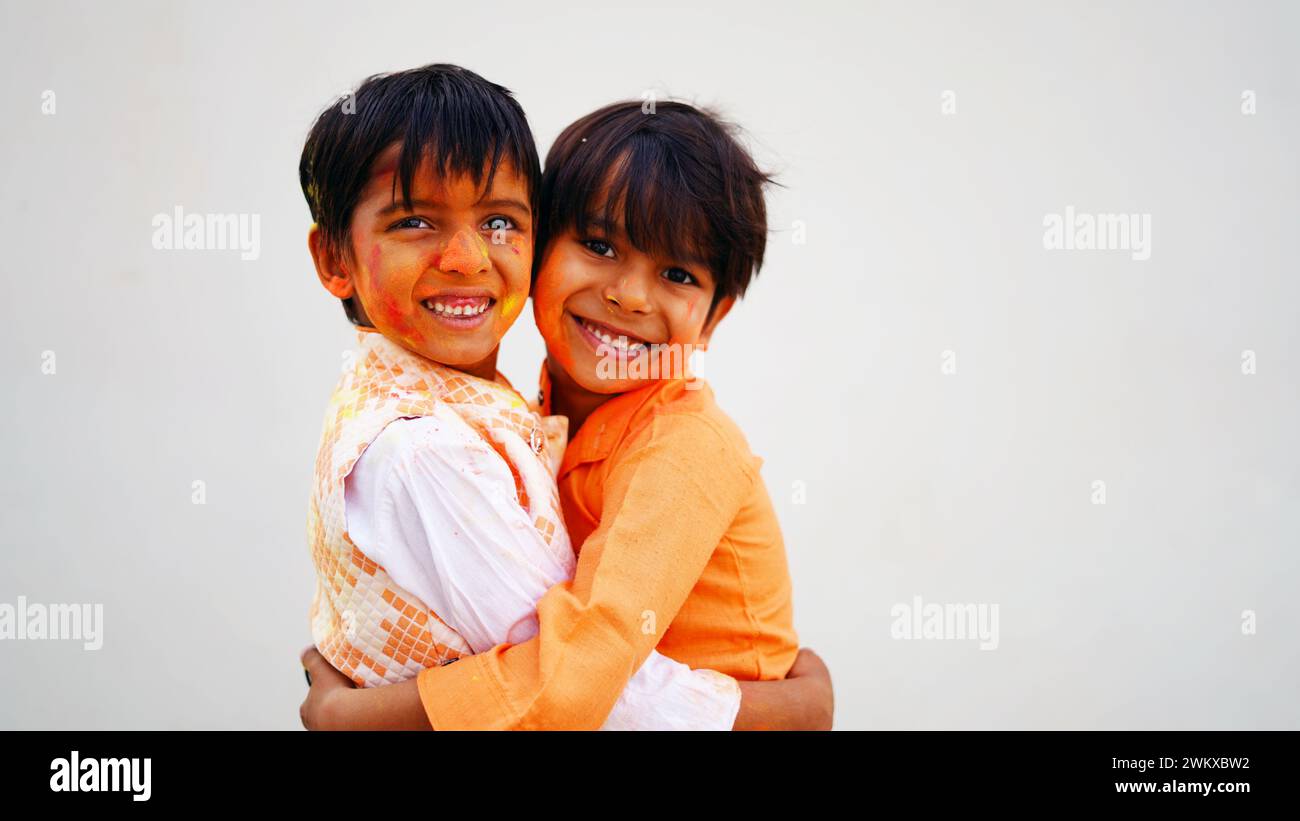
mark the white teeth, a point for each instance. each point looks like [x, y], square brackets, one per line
[619, 343]
[459, 310]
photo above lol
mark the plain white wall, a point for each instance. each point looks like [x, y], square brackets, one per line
[924, 234]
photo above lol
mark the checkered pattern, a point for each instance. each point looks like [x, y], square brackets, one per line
[362, 621]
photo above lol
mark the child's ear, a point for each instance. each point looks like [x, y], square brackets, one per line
[718, 313]
[333, 275]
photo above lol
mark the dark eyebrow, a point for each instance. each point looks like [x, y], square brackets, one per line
[697, 263]
[604, 226]
[507, 202]
[398, 205]
[614, 230]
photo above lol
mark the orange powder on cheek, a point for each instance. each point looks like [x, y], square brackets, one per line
[390, 312]
[384, 304]
[557, 344]
[511, 304]
[559, 350]
[372, 270]
[548, 311]
[564, 356]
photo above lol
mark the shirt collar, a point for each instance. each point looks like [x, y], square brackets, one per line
[607, 424]
[412, 365]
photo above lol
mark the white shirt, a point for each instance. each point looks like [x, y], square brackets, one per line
[434, 505]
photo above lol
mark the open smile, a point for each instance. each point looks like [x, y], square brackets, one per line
[460, 312]
[619, 342]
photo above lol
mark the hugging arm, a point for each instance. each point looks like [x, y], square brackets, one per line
[437, 506]
[667, 504]
[802, 701]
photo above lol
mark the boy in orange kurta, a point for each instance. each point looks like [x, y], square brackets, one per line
[650, 226]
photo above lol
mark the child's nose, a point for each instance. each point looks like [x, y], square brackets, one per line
[467, 253]
[629, 292]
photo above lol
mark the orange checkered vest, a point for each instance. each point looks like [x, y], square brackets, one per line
[367, 626]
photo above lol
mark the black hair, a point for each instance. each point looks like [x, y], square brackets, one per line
[448, 114]
[675, 178]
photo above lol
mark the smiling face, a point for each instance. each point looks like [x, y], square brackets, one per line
[446, 278]
[601, 302]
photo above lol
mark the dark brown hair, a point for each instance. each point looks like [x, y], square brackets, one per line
[675, 178]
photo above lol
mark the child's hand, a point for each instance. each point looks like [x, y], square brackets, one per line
[334, 702]
[821, 701]
[322, 710]
[803, 700]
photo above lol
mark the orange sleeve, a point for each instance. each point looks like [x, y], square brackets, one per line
[667, 503]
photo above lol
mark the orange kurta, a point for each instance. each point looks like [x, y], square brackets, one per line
[680, 548]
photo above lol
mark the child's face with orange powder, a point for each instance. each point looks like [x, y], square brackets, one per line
[446, 278]
[601, 305]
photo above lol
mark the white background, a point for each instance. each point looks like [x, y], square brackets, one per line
[923, 235]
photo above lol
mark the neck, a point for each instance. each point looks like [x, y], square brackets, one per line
[487, 369]
[484, 369]
[570, 399]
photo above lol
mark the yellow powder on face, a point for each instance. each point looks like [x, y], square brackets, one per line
[510, 307]
[509, 304]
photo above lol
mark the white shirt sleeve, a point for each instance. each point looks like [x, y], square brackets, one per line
[436, 507]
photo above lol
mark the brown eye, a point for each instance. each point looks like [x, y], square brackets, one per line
[599, 247]
[680, 276]
[412, 222]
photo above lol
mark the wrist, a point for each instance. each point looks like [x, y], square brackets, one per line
[336, 709]
[820, 702]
